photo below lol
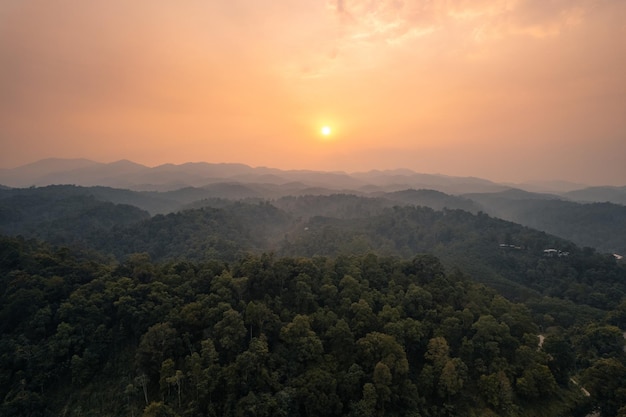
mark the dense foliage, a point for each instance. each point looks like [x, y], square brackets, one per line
[503, 255]
[500, 254]
[314, 305]
[268, 336]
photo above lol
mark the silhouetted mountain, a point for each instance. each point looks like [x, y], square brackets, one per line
[433, 199]
[553, 187]
[36, 172]
[615, 195]
[396, 180]
[343, 206]
[512, 194]
[149, 201]
[169, 177]
[113, 174]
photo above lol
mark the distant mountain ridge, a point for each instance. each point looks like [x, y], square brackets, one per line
[615, 195]
[244, 181]
[166, 177]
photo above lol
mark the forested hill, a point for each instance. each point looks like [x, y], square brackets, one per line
[521, 263]
[272, 336]
[334, 305]
[68, 219]
[599, 225]
[596, 225]
[500, 254]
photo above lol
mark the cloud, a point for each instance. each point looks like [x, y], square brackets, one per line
[366, 34]
[385, 21]
[532, 18]
[395, 22]
[363, 35]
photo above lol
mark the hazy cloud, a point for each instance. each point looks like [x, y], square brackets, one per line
[396, 21]
[249, 81]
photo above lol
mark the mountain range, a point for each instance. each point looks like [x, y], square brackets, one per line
[589, 216]
[167, 177]
[127, 174]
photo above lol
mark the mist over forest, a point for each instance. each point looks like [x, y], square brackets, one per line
[225, 290]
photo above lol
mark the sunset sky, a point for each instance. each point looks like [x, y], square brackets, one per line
[509, 90]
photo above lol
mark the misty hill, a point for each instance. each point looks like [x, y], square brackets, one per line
[350, 206]
[163, 202]
[396, 180]
[512, 194]
[55, 216]
[549, 186]
[301, 226]
[598, 225]
[36, 172]
[433, 199]
[471, 242]
[615, 195]
[225, 233]
[153, 202]
[595, 225]
[344, 206]
[126, 174]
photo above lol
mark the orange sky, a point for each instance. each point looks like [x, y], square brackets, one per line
[509, 90]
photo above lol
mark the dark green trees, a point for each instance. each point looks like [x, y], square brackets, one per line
[270, 336]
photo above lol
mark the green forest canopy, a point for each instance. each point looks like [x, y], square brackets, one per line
[267, 336]
[329, 305]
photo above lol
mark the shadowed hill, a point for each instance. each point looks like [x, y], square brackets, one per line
[615, 195]
[596, 225]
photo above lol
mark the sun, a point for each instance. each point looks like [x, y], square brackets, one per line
[326, 130]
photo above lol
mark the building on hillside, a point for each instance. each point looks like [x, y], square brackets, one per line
[554, 252]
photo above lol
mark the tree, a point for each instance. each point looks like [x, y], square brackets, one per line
[257, 315]
[378, 347]
[203, 371]
[230, 332]
[252, 369]
[452, 378]
[170, 376]
[497, 392]
[606, 382]
[158, 409]
[316, 392]
[303, 345]
[601, 342]
[536, 382]
[382, 380]
[159, 342]
[340, 340]
[492, 340]
[438, 352]
[366, 407]
[562, 357]
[363, 318]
